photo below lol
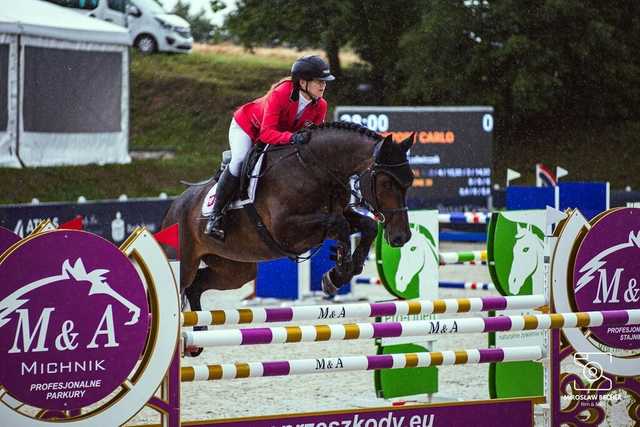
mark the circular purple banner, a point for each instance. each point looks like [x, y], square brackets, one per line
[606, 273]
[73, 319]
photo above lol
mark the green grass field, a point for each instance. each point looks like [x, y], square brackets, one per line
[184, 103]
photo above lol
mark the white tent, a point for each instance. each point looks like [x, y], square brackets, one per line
[66, 97]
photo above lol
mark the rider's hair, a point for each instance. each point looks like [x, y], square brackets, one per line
[278, 83]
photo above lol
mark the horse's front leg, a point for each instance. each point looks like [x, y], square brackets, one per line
[313, 228]
[368, 231]
[343, 272]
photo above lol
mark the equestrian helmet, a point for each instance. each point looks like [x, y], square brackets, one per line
[311, 67]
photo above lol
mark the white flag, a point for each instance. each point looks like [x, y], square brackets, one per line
[560, 172]
[511, 175]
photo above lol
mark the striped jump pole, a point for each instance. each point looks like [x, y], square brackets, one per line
[325, 365]
[442, 284]
[467, 285]
[359, 310]
[367, 281]
[418, 328]
[464, 218]
[465, 257]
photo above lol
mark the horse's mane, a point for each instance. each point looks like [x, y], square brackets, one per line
[346, 126]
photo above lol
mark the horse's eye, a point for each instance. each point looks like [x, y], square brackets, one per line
[413, 248]
[525, 250]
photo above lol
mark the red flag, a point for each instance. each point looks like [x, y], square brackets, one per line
[169, 236]
[74, 224]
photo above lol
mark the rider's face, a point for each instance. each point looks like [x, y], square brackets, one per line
[314, 87]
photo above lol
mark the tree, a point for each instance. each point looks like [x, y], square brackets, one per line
[529, 58]
[302, 25]
[201, 26]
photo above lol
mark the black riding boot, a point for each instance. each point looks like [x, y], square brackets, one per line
[227, 186]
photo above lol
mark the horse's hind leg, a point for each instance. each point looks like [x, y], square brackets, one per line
[193, 294]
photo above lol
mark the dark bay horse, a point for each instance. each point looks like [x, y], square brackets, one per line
[302, 199]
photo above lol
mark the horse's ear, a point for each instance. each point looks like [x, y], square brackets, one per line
[408, 142]
[384, 149]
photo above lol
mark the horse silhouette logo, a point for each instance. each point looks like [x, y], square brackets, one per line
[418, 257]
[516, 251]
[598, 262]
[528, 259]
[77, 272]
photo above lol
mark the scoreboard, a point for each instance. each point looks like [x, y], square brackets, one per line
[452, 155]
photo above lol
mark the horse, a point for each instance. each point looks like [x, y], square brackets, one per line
[418, 256]
[302, 199]
[528, 259]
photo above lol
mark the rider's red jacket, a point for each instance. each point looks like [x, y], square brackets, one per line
[272, 118]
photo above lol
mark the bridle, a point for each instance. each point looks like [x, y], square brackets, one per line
[367, 184]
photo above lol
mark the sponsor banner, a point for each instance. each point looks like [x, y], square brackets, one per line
[452, 156]
[477, 414]
[516, 263]
[606, 273]
[409, 272]
[74, 324]
[113, 220]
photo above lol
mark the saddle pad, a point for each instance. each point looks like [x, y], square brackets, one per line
[207, 204]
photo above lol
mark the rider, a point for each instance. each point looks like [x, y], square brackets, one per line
[290, 104]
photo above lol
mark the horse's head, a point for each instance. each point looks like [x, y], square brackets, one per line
[384, 188]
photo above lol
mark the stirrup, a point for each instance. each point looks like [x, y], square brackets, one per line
[211, 230]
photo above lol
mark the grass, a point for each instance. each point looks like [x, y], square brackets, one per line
[185, 102]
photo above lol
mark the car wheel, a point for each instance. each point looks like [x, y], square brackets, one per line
[146, 45]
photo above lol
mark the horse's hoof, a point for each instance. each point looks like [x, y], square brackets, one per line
[327, 285]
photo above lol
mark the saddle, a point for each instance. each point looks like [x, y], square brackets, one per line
[251, 168]
[250, 172]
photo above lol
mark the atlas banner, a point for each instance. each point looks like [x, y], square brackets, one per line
[622, 198]
[111, 219]
[451, 158]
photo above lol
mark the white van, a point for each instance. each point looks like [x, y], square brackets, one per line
[150, 26]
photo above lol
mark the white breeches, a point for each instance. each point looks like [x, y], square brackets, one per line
[240, 144]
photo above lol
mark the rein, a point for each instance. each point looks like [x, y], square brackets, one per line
[265, 151]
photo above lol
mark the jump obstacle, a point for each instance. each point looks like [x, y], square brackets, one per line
[363, 280]
[548, 353]
[359, 310]
[362, 331]
[420, 328]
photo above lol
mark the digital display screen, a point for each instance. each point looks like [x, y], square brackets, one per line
[452, 154]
